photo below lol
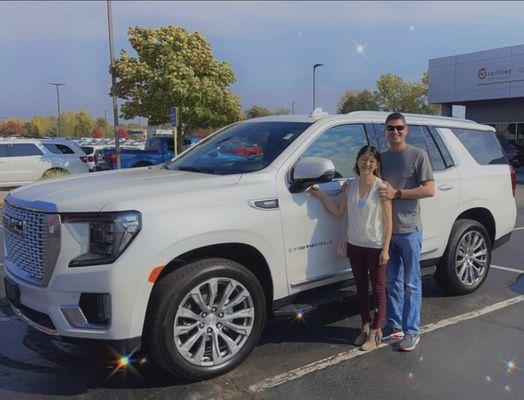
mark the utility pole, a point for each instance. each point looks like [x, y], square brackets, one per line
[113, 82]
[314, 88]
[57, 85]
[293, 107]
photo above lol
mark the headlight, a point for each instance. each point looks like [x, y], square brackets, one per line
[109, 235]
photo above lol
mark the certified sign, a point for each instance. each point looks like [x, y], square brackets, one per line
[482, 73]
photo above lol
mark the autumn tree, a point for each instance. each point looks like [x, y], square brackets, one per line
[175, 68]
[84, 124]
[11, 127]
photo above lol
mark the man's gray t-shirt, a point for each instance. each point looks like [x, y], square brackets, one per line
[406, 169]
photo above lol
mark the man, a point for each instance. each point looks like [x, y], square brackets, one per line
[409, 177]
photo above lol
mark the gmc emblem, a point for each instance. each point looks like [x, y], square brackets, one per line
[14, 225]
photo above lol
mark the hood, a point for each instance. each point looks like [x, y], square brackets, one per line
[91, 192]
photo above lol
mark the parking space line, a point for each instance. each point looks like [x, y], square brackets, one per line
[354, 353]
[518, 271]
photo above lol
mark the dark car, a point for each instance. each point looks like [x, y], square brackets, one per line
[514, 151]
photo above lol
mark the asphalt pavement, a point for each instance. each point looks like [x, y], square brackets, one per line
[471, 348]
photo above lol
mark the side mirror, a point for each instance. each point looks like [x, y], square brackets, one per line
[309, 171]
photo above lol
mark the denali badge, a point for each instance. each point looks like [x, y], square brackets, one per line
[14, 225]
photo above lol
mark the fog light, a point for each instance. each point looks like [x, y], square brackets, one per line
[96, 307]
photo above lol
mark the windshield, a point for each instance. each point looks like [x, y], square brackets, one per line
[242, 147]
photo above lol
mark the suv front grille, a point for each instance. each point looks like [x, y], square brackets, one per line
[25, 240]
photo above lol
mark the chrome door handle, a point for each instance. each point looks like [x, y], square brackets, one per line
[445, 187]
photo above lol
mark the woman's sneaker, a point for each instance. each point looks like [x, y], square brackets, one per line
[409, 343]
[389, 333]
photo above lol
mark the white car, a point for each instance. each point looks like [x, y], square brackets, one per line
[24, 161]
[188, 258]
[94, 155]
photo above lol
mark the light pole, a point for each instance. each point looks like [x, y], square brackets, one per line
[293, 107]
[314, 71]
[113, 82]
[57, 85]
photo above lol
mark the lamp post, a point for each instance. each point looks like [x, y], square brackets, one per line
[314, 79]
[293, 107]
[113, 82]
[57, 85]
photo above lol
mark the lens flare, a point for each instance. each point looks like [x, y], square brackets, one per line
[488, 379]
[410, 375]
[507, 388]
[123, 363]
[511, 365]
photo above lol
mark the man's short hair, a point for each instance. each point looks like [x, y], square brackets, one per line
[394, 116]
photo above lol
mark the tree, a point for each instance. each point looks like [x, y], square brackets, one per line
[84, 124]
[68, 123]
[43, 126]
[102, 124]
[357, 101]
[257, 111]
[11, 127]
[175, 68]
[392, 94]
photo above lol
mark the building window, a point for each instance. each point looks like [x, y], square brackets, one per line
[507, 131]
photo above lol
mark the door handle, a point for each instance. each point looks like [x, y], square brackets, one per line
[445, 187]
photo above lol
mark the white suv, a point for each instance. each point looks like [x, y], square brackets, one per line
[189, 257]
[24, 160]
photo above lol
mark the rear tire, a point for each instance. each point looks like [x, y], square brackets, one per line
[202, 338]
[55, 173]
[465, 264]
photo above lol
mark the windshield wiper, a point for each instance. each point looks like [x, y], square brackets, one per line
[195, 169]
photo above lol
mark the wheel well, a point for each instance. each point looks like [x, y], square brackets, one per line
[241, 253]
[142, 164]
[482, 216]
[58, 170]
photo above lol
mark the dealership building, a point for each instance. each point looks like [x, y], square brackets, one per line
[489, 84]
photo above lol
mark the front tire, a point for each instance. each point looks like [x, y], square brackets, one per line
[205, 318]
[466, 261]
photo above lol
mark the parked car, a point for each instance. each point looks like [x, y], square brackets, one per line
[514, 152]
[241, 148]
[24, 160]
[189, 258]
[157, 150]
[95, 155]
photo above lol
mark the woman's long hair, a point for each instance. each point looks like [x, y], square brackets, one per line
[371, 150]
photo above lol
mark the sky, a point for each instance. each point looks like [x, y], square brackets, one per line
[271, 46]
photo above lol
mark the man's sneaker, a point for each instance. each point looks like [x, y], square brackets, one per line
[389, 333]
[409, 343]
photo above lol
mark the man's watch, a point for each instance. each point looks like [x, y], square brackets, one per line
[398, 194]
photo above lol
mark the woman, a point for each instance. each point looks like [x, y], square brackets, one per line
[368, 235]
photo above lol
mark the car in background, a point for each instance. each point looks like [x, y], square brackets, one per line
[514, 152]
[25, 160]
[157, 150]
[241, 147]
[95, 156]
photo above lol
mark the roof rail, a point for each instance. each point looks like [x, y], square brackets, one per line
[412, 115]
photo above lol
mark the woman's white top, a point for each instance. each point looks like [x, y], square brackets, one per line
[365, 224]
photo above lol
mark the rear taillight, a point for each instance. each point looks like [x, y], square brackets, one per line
[111, 158]
[90, 158]
[513, 179]
[83, 158]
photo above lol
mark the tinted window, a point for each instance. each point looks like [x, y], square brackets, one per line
[442, 147]
[170, 144]
[340, 144]
[56, 148]
[88, 149]
[482, 145]
[23, 150]
[155, 144]
[437, 163]
[216, 156]
[3, 150]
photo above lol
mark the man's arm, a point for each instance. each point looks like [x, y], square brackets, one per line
[426, 189]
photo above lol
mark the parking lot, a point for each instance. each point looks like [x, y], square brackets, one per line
[471, 347]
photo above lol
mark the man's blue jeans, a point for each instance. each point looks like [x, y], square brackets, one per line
[404, 284]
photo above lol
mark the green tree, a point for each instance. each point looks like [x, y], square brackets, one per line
[175, 68]
[257, 111]
[43, 125]
[84, 124]
[102, 123]
[68, 123]
[357, 101]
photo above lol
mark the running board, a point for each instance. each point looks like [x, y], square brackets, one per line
[305, 304]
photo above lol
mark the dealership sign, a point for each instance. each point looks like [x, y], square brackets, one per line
[492, 74]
